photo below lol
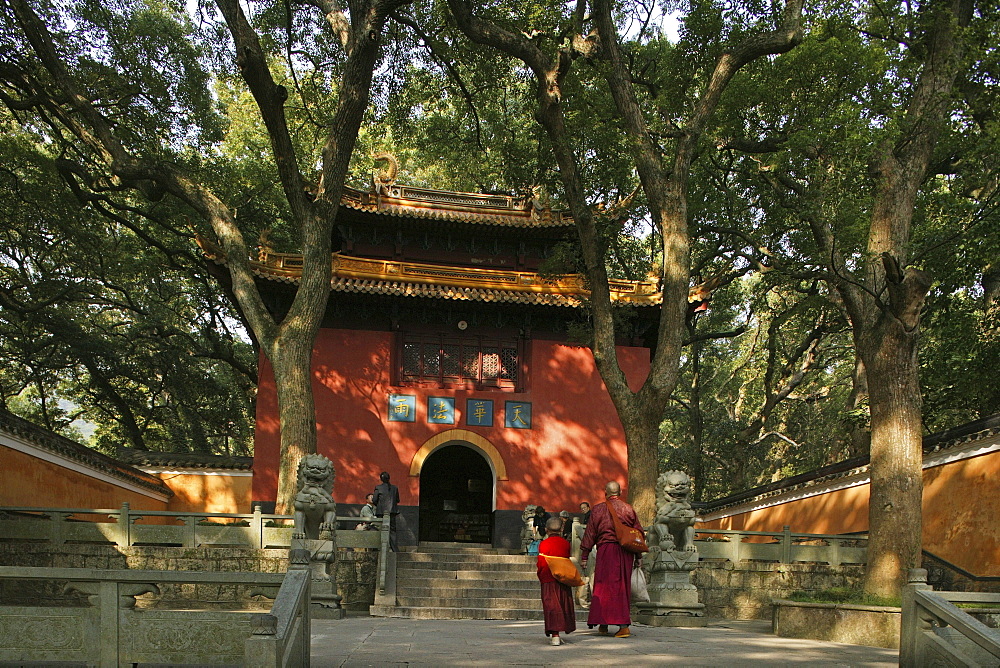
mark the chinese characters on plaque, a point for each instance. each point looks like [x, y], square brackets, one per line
[517, 414]
[479, 412]
[402, 408]
[441, 410]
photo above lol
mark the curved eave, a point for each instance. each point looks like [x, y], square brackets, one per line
[456, 283]
[354, 274]
[485, 210]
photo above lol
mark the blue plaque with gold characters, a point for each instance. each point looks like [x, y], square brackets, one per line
[479, 412]
[441, 410]
[402, 408]
[517, 415]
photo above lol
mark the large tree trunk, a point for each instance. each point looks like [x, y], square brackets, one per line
[291, 358]
[642, 435]
[895, 505]
[886, 316]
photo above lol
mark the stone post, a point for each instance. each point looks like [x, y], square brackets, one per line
[673, 599]
[911, 625]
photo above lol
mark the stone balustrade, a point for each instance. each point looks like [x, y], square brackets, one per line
[125, 527]
[934, 632]
[102, 604]
[783, 547]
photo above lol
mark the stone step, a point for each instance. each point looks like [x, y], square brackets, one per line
[463, 548]
[470, 565]
[492, 603]
[460, 587]
[462, 558]
[407, 612]
[463, 581]
[408, 574]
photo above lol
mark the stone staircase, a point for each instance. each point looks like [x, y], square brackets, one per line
[460, 581]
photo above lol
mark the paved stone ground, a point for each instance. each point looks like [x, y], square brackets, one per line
[374, 641]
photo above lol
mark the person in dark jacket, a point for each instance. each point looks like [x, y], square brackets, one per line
[539, 520]
[386, 498]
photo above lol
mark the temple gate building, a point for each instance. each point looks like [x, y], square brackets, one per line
[444, 359]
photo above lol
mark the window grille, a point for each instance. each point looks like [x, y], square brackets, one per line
[482, 362]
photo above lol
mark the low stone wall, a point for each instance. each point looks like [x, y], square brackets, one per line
[356, 570]
[745, 590]
[742, 591]
[874, 626]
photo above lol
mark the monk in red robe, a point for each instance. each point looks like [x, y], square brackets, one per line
[557, 598]
[612, 579]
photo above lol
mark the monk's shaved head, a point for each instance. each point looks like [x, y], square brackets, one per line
[554, 525]
[612, 489]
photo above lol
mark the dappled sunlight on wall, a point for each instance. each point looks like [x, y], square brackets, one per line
[28, 481]
[208, 493]
[574, 446]
[267, 429]
[842, 511]
[960, 506]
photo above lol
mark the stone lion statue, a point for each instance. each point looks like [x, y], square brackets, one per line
[673, 528]
[527, 527]
[315, 509]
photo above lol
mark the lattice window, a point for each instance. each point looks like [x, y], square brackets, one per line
[508, 364]
[491, 363]
[465, 361]
[451, 360]
[411, 359]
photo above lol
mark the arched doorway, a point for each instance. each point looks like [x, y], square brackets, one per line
[456, 495]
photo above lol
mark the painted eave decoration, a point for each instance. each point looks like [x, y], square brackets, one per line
[414, 279]
[478, 209]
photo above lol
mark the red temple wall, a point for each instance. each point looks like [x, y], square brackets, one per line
[958, 496]
[31, 482]
[576, 443]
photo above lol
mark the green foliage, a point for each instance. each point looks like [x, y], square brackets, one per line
[102, 330]
[766, 403]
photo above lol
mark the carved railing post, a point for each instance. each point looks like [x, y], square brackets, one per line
[57, 528]
[191, 534]
[383, 552]
[103, 595]
[911, 622]
[735, 545]
[257, 526]
[385, 588]
[124, 536]
[576, 531]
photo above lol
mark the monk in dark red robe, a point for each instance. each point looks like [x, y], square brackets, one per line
[612, 579]
[557, 598]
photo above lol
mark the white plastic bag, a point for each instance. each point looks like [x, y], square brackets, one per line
[639, 592]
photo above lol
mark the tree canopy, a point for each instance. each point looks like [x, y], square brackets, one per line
[815, 187]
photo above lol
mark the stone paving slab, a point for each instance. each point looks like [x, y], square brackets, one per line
[361, 641]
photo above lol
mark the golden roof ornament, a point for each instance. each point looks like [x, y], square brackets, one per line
[385, 177]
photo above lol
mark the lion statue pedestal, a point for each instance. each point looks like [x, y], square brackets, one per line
[673, 599]
[315, 532]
